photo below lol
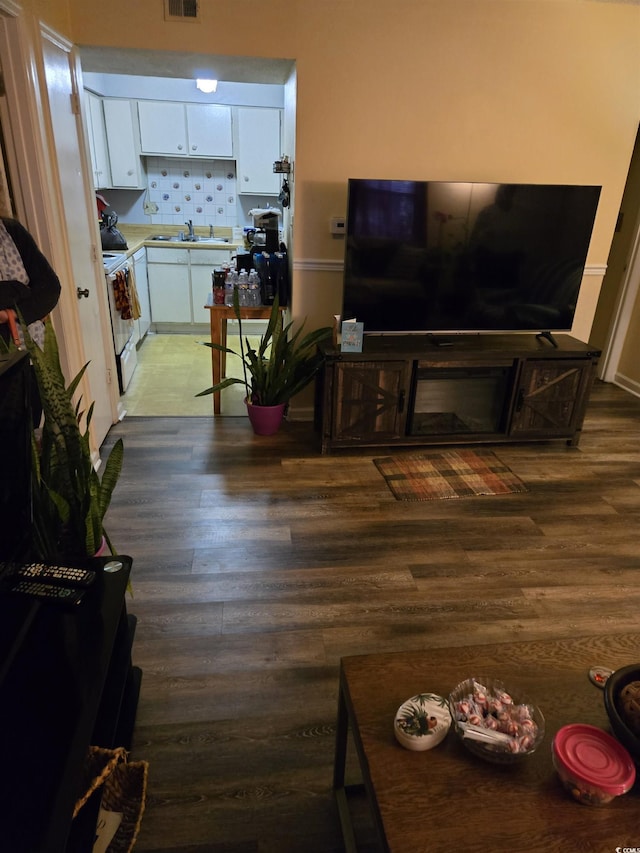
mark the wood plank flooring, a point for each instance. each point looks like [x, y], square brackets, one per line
[258, 563]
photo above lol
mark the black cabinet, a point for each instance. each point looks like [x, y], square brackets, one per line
[66, 682]
[408, 390]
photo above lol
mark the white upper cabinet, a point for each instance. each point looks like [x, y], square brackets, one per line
[122, 143]
[163, 128]
[258, 149]
[185, 130]
[209, 130]
[97, 141]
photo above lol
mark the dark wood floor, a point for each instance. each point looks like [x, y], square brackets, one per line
[258, 563]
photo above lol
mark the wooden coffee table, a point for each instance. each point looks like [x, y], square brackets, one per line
[446, 800]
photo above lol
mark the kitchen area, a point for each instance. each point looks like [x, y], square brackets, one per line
[184, 186]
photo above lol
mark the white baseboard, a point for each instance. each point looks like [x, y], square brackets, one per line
[300, 413]
[629, 385]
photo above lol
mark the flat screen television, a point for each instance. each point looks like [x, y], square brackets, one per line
[434, 256]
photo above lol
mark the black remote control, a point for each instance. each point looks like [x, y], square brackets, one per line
[45, 592]
[51, 574]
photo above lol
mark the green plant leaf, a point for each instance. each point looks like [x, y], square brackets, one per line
[69, 497]
[284, 363]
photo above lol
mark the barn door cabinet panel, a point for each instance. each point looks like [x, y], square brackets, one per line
[550, 397]
[407, 390]
[370, 400]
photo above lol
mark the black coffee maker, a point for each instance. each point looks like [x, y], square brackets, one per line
[265, 235]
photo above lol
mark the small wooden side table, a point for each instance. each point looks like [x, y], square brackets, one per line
[219, 314]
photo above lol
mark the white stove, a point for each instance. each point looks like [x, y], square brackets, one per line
[112, 260]
[115, 265]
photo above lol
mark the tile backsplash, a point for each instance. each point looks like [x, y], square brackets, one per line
[201, 190]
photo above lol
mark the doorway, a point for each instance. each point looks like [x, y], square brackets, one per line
[171, 368]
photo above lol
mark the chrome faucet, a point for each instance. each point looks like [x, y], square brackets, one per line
[190, 224]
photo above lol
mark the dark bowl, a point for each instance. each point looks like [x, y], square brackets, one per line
[612, 689]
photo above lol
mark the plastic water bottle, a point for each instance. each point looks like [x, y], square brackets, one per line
[254, 289]
[229, 287]
[243, 288]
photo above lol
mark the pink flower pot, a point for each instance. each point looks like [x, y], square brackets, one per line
[265, 420]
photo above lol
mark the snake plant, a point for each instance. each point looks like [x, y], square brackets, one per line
[284, 363]
[70, 499]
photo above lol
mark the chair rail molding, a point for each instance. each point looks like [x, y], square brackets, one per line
[321, 264]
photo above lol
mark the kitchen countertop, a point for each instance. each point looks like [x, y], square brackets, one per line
[138, 236]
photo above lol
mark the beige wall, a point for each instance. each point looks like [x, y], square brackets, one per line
[508, 90]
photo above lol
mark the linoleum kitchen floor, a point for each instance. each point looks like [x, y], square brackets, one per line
[171, 370]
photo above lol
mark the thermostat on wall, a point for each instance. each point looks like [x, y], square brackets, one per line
[338, 225]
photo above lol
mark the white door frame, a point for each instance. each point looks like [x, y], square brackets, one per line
[625, 302]
[39, 197]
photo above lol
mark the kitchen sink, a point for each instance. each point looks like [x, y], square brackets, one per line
[173, 238]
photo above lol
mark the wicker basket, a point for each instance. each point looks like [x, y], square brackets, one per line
[98, 766]
[124, 792]
[124, 785]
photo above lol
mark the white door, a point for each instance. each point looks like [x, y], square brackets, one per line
[81, 238]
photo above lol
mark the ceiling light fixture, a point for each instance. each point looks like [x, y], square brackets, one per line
[206, 86]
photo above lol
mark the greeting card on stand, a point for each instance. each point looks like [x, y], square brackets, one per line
[352, 334]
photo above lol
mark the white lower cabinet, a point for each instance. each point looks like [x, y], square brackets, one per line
[180, 283]
[202, 264]
[169, 287]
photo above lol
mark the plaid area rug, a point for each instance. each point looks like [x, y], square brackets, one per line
[439, 474]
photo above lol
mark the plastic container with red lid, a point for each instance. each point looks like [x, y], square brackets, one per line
[593, 766]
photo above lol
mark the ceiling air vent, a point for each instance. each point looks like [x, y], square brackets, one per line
[181, 10]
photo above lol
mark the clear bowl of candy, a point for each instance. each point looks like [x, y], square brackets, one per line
[495, 722]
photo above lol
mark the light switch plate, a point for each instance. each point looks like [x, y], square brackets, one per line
[338, 225]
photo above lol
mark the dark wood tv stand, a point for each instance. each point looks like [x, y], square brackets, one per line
[454, 389]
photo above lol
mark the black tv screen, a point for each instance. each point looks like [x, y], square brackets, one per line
[425, 256]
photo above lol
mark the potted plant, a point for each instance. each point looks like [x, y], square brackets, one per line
[284, 363]
[69, 498]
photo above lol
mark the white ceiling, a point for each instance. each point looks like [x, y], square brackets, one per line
[158, 63]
